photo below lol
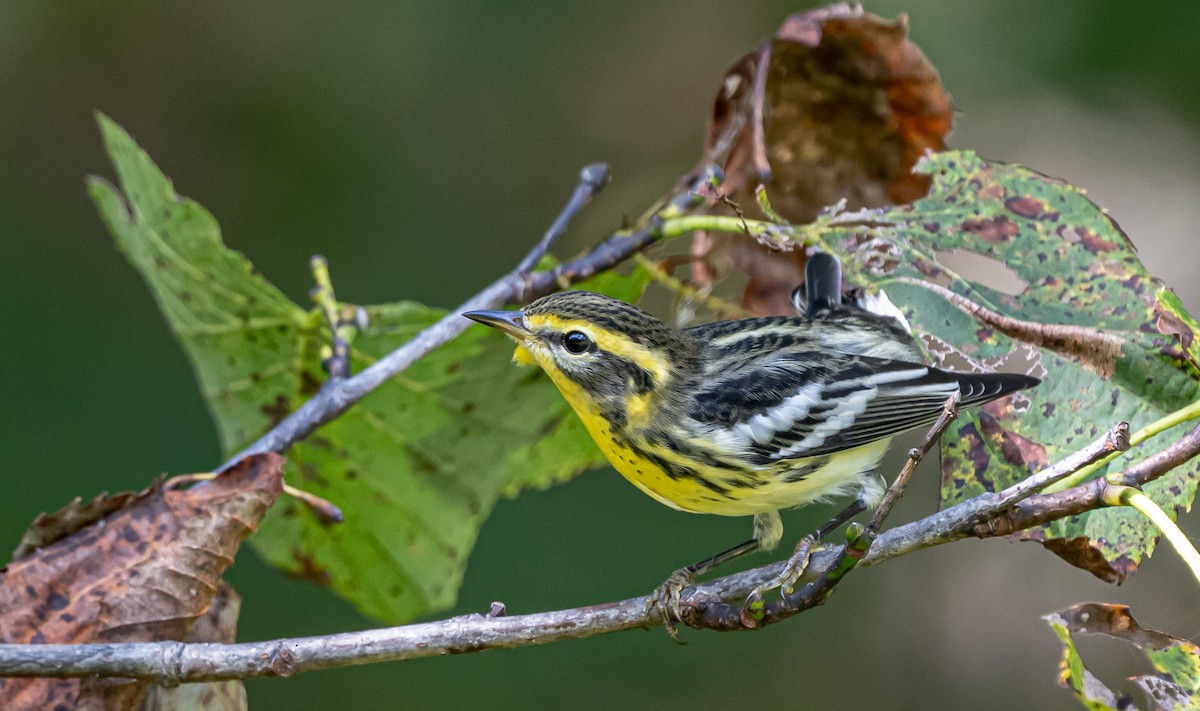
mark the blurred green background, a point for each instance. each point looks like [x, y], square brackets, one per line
[422, 147]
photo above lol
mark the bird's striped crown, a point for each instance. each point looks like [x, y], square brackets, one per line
[610, 314]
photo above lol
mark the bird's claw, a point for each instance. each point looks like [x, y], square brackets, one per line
[665, 600]
[796, 564]
[792, 571]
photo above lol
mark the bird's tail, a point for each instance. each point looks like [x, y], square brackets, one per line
[978, 388]
[822, 284]
[821, 294]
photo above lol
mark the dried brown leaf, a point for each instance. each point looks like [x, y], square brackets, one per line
[1081, 553]
[48, 528]
[838, 105]
[218, 624]
[143, 573]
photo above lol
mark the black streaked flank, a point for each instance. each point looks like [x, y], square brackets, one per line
[799, 473]
[690, 451]
[678, 471]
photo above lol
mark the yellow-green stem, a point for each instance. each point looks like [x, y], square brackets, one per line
[678, 226]
[1117, 495]
[1180, 416]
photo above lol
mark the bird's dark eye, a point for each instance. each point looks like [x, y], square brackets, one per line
[577, 342]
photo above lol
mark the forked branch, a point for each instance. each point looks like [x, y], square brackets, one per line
[174, 662]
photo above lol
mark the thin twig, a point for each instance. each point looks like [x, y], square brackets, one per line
[592, 180]
[915, 455]
[1039, 509]
[336, 396]
[173, 662]
[758, 102]
[1162, 424]
[684, 290]
[1115, 441]
[326, 511]
[338, 363]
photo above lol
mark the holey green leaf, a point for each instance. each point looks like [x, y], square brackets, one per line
[416, 466]
[1174, 683]
[1001, 267]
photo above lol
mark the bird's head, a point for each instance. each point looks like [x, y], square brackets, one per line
[594, 346]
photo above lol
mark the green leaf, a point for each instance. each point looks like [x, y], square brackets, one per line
[1174, 320]
[1064, 297]
[1176, 683]
[416, 466]
[213, 300]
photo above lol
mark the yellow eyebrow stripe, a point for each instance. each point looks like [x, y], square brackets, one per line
[610, 341]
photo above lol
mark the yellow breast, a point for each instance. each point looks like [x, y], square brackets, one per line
[645, 475]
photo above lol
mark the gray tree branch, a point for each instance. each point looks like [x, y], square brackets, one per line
[985, 516]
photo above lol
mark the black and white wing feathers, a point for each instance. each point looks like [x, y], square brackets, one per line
[807, 403]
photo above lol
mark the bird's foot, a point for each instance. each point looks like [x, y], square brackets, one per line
[792, 571]
[665, 600]
[796, 564]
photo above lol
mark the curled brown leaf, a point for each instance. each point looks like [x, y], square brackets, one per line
[142, 573]
[838, 105]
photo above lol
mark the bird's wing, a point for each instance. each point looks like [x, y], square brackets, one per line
[793, 405]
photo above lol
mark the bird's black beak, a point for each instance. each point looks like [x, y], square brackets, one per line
[510, 322]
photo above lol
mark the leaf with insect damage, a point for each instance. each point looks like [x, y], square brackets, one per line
[144, 572]
[1175, 683]
[417, 466]
[999, 267]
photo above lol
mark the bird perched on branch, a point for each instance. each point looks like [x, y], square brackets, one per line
[743, 417]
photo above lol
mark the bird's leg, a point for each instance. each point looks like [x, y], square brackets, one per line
[798, 561]
[666, 596]
[768, 529]
[855, 508]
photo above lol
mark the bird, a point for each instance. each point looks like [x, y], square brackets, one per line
[744, 417]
